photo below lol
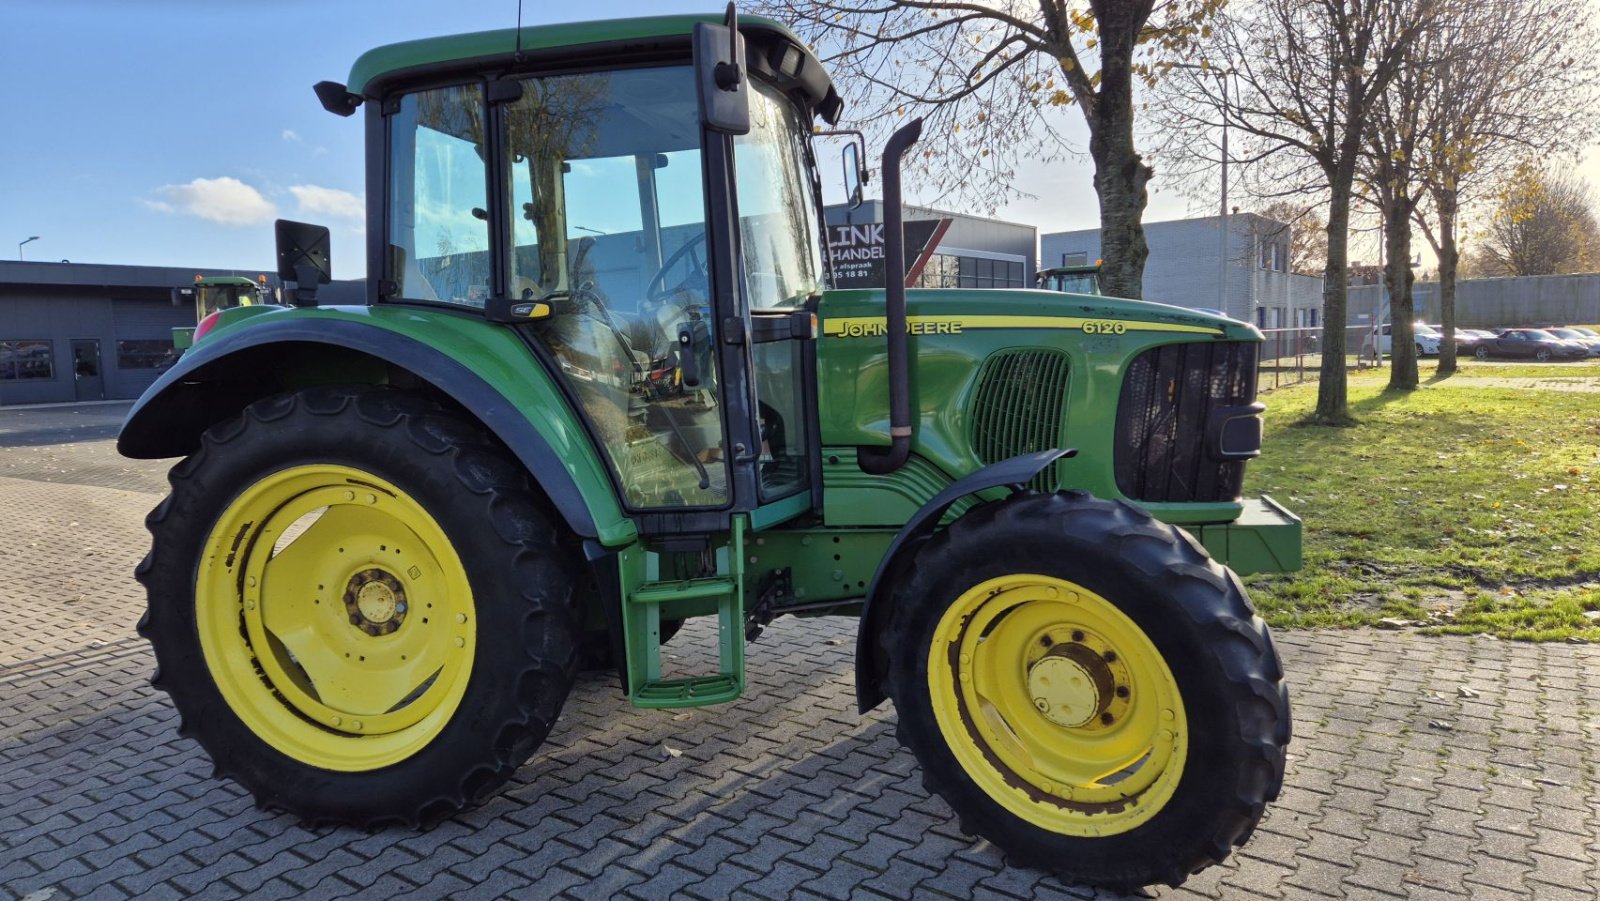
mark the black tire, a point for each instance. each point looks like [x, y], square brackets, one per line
[1198, 617]
[516, 563]
[1481, 352]
[1542, 355]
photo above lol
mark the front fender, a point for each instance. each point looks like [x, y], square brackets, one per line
[1014, 473]
[484, 368]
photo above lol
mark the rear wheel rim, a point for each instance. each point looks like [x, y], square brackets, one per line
[335, 617]
[1058, 705]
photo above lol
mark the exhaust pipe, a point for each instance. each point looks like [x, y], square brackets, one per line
[877, 460]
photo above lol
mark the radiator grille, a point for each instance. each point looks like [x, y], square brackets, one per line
[1018, 407]
[1167, 399]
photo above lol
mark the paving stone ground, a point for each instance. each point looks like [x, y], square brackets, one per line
[1399, 785]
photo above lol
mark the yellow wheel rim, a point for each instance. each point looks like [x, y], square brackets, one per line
[1057, 705]
[335, 617]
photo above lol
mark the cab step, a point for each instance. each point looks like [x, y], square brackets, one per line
[642, 633]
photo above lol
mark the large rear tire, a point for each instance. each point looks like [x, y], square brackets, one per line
[360, 607]
[1088, 689]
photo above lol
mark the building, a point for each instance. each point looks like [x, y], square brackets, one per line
[1526, 300]
[1183, 268]
[969, 252]
[87, 332]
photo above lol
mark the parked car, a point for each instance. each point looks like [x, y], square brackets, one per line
[1590, 342]
[1468, 339]
[1528, 344]
[1426, 336]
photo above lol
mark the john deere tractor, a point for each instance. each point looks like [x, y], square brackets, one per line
[209, 294]
[598, 388]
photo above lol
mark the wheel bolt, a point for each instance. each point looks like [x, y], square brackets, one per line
[1046, 640]
[1111, 656]
[1042, 704]
[1122, 691]
[1077, 635]
[1105, 719]
[355, 620]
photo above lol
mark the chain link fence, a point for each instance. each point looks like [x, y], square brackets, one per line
[1294, 355]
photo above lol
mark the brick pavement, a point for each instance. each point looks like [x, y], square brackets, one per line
[1399, 786]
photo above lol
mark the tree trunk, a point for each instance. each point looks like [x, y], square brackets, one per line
[1397, 278]
[1120, 174]
[1333, 395]
[1449, 257]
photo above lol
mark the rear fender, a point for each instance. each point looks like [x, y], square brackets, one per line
[505, 388]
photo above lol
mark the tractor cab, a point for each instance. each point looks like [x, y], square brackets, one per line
[211, 294]
[592, 207]
[1071, 279]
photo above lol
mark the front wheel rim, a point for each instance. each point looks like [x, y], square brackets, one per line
[1057, 705]
[335, 617]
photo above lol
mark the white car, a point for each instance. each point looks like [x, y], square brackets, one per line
[1426, 336]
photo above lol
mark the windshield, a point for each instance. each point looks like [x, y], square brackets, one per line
[1425, 329]
[1565, 333]
[1539, 335]
[778, 229]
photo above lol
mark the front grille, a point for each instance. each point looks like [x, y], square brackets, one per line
[1168, 397]
[1018, 406]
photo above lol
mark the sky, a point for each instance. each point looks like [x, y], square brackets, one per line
[173, 132]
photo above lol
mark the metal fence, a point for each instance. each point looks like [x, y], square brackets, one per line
[1294, 355]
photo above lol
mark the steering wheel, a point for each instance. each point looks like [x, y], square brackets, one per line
[699, 273]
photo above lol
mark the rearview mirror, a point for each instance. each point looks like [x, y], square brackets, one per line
[303, 258]
[850, 159]
[724, 87]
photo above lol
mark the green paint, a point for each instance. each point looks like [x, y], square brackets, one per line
[463, 49]
[648, 598]
[854, 383]
[825, 564]
[1264, 539]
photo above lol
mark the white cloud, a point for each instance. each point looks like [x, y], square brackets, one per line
[290, 135]
[225, 200]
[317, 200]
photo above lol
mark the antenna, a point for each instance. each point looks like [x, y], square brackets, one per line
[517, 56]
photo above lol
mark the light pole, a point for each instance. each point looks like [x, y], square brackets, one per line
[20, 243]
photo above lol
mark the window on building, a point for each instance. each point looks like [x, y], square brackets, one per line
[145, 353]
[1014, 274]
[25, 358]
[968, 272]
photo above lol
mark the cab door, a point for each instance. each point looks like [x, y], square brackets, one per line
[779, 241]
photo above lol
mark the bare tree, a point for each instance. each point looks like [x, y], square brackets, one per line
[990, 77]
[1303, 78]
[1542, 223]
[1308, 234]
[1510, 79]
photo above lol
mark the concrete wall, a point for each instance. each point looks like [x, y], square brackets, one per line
[1532, 300]
[1183, 267]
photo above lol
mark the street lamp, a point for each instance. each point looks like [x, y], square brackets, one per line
[20, 243]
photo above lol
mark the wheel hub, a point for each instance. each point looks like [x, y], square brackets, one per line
[1071, 685]
[376, 602]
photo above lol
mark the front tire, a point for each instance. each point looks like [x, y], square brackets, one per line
[1481, 353]
[359, 606]
[1088, 689]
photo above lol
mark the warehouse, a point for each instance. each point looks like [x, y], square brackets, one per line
[74, 332]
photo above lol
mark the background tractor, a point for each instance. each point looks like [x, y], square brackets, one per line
[1083, 279]
[211, 293]
[398, 526]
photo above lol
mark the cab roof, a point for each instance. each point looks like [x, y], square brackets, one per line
[380, 64]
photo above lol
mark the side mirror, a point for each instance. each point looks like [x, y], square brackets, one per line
[303, 258]
[850, 159]
[724, 87]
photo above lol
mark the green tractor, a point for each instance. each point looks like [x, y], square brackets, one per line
[597, 388]
[1071, 279]
[210, 294]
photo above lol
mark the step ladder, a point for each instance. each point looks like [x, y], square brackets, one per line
[643, 604]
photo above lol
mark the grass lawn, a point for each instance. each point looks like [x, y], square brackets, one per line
[1474, 507]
